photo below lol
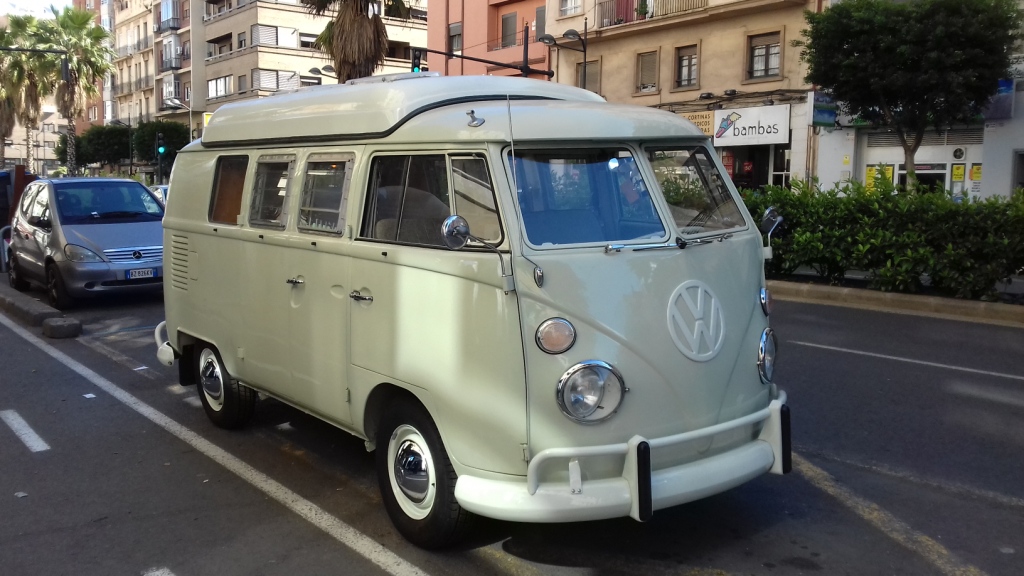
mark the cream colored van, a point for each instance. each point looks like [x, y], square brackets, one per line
[534, 305]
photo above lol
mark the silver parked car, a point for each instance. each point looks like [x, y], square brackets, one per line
[84, 236]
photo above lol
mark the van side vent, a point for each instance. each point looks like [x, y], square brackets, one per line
[179, 262]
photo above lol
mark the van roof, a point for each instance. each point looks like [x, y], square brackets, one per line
[366, 109]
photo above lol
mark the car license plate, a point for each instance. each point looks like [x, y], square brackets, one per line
[141, 273]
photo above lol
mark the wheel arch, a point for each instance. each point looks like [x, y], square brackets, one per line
[379, 399]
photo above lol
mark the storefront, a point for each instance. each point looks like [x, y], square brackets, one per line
[754, 144]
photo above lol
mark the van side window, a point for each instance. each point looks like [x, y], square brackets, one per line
[474, 197]
[408, 199]
[325, 193]
[228, 185]
[270, 191]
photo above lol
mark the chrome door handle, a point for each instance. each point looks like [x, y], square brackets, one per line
[295, 281]
[355, 295]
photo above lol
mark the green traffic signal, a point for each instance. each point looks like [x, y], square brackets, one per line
[161, 150]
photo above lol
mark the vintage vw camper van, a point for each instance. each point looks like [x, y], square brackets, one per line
[534, 305]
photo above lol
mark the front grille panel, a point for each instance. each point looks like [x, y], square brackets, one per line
[148, 253]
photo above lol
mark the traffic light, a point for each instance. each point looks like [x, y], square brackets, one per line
[417, 56]
[160, 147]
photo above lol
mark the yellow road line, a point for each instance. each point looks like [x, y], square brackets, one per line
[933, 552]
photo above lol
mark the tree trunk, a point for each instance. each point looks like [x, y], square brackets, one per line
[28, 148]
[3, 154]
[910, 148]
[72, 152]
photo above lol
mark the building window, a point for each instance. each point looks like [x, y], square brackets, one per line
[243, 81]
[307, 40]
[593, 76]
[539, 24]
[274, 79]
[765, 55]
[686, 67]
[309, 81]
[188, 92]
[241, 39]
[455, 38]
[508, 29]
[647, 72]
[219, 87]
[568, 7]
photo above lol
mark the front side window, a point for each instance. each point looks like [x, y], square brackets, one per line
[270, 191]
[474, 197]
[228, 186]
[584, 196]
[696, 192]
[325, 193]
[408, 199]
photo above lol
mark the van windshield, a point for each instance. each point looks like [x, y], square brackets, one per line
[697, 195]
[590, 195]
[105, 202]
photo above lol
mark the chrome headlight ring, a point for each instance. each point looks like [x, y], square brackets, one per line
[766, 301]
[590, 392]
[766, 350]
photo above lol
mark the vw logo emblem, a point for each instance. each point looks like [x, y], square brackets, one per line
[136, 254]
[695, 321]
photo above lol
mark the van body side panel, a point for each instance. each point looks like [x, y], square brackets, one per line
[440, 321]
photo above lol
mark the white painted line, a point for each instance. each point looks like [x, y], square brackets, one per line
[194, 401]
[158, 572]
[337, 529]
[141, 368]
[910, 360]
[23, 431]
[88, 395]
[284, 427]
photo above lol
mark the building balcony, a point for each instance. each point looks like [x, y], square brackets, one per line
[169, 24]
[143, 83]
[616, 12]
[510, 42]
[144, 44]
[168, 64]
[125, 51]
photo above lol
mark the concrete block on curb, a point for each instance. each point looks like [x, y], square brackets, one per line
[26, 308]
[61, 327]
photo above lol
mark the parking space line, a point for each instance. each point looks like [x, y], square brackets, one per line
[118, 357]
[158, 572]
[910, 360]
[934, 553]
[23, 431]
[315, 515]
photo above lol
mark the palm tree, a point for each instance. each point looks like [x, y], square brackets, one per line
[8, 103]
[355, 38]
[24, 77]
[89, 59]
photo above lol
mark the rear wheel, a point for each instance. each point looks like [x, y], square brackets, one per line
[56, 291]
[14, 276]
[228, 403]
[417, 481]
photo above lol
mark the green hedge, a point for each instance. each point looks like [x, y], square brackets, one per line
[964, 247]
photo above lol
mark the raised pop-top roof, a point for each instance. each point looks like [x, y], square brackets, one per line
[367, 108]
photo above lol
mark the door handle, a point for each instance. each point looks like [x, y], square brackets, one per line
[295, 281]
[355, 295]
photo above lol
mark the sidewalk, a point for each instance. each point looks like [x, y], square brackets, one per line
[35, 313]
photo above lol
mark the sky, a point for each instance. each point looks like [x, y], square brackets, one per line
[35, 7]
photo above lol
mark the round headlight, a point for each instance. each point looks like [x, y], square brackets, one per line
[590, 391]
[766, 301]
[555, 335]
[77, 253]
[766, 355]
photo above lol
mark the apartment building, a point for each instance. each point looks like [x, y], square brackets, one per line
[500, 31]
[44, 139]
[255, 48]
[178, 97]
[134, 80]
[98, 108]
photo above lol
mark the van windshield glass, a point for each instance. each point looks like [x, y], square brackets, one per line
[584, 196]
[697, 195]
[104, 202]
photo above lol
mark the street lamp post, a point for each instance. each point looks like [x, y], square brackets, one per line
[131, 155]
[178, 104]
[325, 71]
[572, 35]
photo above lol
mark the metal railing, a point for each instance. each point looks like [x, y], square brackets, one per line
[170, 64]
[614, 12]
[144, 43]
[510, 42]
[170, 24]
[144, 82]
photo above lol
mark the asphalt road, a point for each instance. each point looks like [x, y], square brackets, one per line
[907, 431]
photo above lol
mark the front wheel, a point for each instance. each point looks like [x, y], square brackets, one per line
[227, 402]
[14, 276]
[56, 291]
[417, 481]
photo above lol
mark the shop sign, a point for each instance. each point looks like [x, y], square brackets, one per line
[958, 172]
[975, 179]
[752, 126]
[823, 110]
[703, 120]
[925, 167]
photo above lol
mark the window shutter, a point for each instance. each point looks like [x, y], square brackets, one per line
[287, 80]
[648, 71]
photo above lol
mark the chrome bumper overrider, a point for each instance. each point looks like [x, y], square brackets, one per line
[639, 490]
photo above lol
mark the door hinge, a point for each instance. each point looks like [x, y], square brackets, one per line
[526, 452]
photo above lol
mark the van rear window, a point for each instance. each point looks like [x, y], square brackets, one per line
[228, 186]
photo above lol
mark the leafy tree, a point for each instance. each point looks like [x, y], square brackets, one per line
[356, 38]
[24, 76]
[911, 65]
[8, 101]
[74, 32]
[83, 149]
[144, 140]
[107, 144]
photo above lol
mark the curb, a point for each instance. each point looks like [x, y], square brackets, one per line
[35, 313]
[969, 310]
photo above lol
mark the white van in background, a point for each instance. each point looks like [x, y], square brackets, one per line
[534, 305]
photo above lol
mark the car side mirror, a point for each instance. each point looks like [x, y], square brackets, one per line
[769, 222]
[39, 222]
[455, 231]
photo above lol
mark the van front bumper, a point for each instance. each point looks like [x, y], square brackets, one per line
[639, 490]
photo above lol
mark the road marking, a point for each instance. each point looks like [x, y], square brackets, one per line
[910, 360]
[23, 431]
[1004, 397]
[337, 529]
[117, 357]
[933, 552]
[122, 331]
[158, 572]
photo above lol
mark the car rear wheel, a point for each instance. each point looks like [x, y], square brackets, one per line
[56, 291]
[417, 480]
[14, 275]
[227, 402]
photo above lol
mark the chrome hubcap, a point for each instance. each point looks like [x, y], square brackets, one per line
[411, 471]
[211, 378]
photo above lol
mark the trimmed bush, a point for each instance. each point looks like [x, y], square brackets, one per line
[963, 246]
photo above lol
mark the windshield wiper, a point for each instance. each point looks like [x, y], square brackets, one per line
[119, 214]
[678, 243]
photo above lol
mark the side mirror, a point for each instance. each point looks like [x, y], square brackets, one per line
[455, 231]
[770, 221]
[39, 222]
